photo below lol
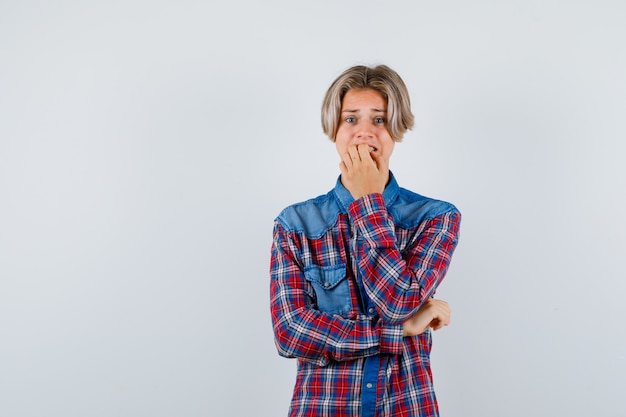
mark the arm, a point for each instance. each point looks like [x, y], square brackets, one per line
[302, 331]
[400, 286]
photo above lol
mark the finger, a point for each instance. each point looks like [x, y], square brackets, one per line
[380, 161]
[346, 159]
[364, 151]
[353, 151]
[444, 319]
[368, 155]
[377, 161]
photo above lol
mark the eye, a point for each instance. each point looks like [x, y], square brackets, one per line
[350, 119]
[379, 120]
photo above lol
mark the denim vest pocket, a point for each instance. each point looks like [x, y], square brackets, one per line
[331, 288]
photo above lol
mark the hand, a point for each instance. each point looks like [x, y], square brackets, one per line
[363, 172]
[433, 313]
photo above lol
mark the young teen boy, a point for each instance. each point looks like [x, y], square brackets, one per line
[353, 271]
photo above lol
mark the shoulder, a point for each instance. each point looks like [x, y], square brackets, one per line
[312, 217]
[410, 208]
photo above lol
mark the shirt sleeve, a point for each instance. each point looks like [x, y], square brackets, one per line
[302, 331]
[399, 283]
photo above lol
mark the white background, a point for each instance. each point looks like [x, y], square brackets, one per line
[146, 147]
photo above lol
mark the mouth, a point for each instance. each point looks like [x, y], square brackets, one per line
[373, 149]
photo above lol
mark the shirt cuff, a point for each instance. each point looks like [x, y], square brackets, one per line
[366, 205]
[372, 221]
[391, 338]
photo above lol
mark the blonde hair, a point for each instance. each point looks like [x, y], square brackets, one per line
[380, 78]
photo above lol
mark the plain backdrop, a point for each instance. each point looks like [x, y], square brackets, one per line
[147, 146]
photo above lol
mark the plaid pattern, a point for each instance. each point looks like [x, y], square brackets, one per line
[356, 362]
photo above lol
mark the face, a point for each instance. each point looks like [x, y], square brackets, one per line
[364, 121]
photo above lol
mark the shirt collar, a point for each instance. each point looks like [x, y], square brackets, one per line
[389, 194]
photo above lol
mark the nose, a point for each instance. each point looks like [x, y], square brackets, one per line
[364, 132]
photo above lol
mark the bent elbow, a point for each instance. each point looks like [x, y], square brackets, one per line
[283, 340]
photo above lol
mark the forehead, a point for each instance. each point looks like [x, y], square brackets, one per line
[356, 99]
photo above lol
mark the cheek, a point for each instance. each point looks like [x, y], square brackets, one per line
[389, 148]
[341, 143]
[339, 146]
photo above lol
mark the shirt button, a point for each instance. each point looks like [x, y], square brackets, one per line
[369, 385]
[371, 310]
[327, 284]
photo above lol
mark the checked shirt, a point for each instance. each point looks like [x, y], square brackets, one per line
[345, 275]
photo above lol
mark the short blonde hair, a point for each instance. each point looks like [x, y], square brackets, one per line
[380, 78]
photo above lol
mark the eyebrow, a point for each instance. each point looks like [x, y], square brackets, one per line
[356, 111]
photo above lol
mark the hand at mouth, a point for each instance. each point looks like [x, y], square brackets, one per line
[363, 171]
